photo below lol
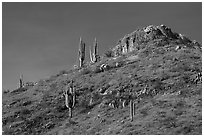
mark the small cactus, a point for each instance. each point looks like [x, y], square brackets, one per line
[70, 98]
[91, 100]
[21, 81]
[132, 110]
[81, 52]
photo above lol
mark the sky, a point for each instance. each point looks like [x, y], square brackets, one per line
[41, 39]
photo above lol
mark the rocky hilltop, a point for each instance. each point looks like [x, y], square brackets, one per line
[134, 40]
[149, 83]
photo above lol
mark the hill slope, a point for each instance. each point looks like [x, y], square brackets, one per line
[160, 69]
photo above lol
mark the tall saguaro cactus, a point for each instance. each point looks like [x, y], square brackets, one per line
[70, 98]
[81, 53]
[94, 56]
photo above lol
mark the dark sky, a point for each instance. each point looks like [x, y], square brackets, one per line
[40, 39]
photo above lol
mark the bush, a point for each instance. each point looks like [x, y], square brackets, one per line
[96, 69]
[19, 90]
[62, 72]
[6, 91]
[26, 103]
[25, 111]
[85, 71]
[109, 54]
[84, 101]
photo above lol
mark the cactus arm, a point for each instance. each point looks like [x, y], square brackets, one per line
[91, 55]
[73, 97]
[83, 51]
[74, 101]
[131, 110]
[80, 58]
[67, 100]
[95, 52]
[20, 83]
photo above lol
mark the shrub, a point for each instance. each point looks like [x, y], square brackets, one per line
[25, 111]
[96, 69]
[63, 72]
[144, 112]
[26, 103]
[19, 90]
[109, 54]
[84, 102]
[85, 71]
[6, 91]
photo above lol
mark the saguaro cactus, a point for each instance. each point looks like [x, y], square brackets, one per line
[94, 56]
[70, 98]
[132, 109]
[81, 52]
[21, 81]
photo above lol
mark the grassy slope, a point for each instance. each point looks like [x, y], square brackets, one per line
[175, 108]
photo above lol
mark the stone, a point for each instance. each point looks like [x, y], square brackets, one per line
[104, 67]
[166, 31]
[177, 47]
[133, 57]
[28, 84]
[131, 43]
[148, 29]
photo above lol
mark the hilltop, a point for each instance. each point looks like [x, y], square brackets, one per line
[160, 69]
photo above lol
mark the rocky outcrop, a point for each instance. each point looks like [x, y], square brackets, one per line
[133, 40]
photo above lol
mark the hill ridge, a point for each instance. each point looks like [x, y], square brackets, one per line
[161, 74]
[133, 40]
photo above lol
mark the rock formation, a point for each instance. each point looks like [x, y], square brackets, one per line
[133, 40]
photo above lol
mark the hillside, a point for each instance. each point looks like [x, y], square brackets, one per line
[159, 69]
